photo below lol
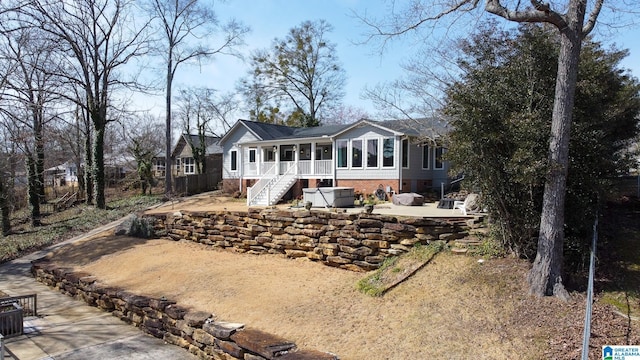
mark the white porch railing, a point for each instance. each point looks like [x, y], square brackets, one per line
[305, 167]
[268, 168]
[256, 189]
[251, 168]
[285, 167]
[323, 167]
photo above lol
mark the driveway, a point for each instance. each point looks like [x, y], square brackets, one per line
[68, 329]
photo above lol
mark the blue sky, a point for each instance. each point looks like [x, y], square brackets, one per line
[364, 66]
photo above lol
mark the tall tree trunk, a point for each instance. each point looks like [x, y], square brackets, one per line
[32, 190]
[88, 160]
[40, 161]
[5, 210]
[98, 167]
[168, 188]
[545, 277]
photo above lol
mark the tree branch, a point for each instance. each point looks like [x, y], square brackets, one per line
[591, 21]
[540, 12]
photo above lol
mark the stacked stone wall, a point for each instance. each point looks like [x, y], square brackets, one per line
[352, 241]
[201, 333]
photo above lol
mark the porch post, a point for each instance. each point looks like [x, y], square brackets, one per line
[313, 158]
[296, 158]
[276, 155]
[259, 160]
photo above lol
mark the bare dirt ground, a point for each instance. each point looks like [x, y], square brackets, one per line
[454, 308]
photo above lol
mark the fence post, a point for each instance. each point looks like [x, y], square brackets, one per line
[587, 318]
[1, 347]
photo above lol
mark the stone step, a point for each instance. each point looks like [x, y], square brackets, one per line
[468, 241]
[459, 251]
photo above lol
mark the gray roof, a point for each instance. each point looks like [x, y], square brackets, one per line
[429, 127]
[417, 127]
[268, 131]
[212, 143]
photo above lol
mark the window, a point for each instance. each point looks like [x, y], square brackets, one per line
[234, 160]
[405, 153]
[160, 164]
[372, 153]
[177, 165]
[439, 163]
[387, 152]
[356, 153]
[286, 153]
[189, 165]
[426, 158]
[323, 152]
[252, 155]
[342, 153]
[269, 155]
[305, 151]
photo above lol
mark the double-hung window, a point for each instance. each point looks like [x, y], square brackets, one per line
[388, 152]
[189, 165]
[356, 153]
[438, 162]
[341, 150]
[372, 153]
[234, 160]
[405, 153]
[426, 157]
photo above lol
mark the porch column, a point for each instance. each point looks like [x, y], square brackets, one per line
[313, 159]
[259, 160]
[296, 157]
[276, 155]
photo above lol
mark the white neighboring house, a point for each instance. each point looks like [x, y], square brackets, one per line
[270, 161]
[61, 175]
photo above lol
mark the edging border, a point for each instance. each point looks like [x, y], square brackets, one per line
[200, 333]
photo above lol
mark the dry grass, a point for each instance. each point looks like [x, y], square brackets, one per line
[454, 308]
[66, 224]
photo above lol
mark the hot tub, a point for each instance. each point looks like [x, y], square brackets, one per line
[329, 196]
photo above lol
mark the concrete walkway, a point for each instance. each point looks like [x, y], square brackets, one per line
[69, 329]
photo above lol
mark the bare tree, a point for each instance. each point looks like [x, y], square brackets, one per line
[343, 115]
[31, 99]
[202, 110]
[5, 188]
[144, 144]
[301, 69]
[188, 27]
[571, 20]
[98, 37]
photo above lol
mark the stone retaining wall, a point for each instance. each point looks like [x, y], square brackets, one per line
[351, 241]
[199, 332]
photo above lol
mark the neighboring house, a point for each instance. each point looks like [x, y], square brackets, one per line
[158, 166]
[269, 161]
[61, 175]
[182, 155]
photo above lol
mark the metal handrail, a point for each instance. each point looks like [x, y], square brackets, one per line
[29, 303]
[587, 318]
[11, 318]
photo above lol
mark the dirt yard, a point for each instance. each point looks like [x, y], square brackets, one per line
[454, 308]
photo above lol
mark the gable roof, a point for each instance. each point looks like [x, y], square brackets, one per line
[424, 127]
[212, 143]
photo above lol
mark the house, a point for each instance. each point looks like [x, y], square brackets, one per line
[268, 161]
[182, 155]
[62, 175]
